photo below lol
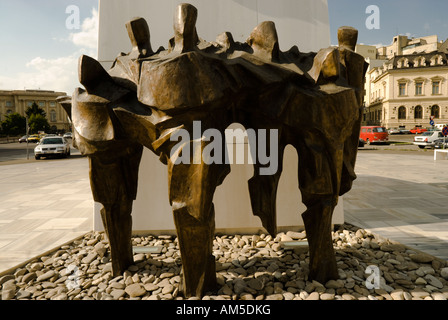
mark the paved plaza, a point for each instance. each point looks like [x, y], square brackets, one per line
[403, 197]
[400, 196]
[44, 204]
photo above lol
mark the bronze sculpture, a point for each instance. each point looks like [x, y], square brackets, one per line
[148, 99]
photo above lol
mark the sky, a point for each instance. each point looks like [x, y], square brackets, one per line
[414, 18]
[41, 43]
[41, 39]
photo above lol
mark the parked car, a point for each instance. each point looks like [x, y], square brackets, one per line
[68, 135]
[418, 130]
[361, 143]
[374, 134]
[22, 139]
[405, 131]
[441, 143]
[34, 138]
[427, 139]
[51, 147]
[394, 131]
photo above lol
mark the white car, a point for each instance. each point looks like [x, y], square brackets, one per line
[427, 139]
[394, 131]
[51, 147]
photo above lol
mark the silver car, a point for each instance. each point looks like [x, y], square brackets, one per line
[52, 147]
[441, 143]
[426, 139]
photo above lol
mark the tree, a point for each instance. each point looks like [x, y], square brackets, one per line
[38, 122]
[14, 124]
[35, 109]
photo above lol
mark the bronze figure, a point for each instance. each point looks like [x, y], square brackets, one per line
[151, 99]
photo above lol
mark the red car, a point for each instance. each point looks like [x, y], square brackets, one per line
[418, 130]
[374, 134]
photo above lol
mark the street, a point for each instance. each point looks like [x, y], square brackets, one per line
[399, 143]
[14, 153]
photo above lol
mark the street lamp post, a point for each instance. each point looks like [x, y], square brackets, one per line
[27, 131]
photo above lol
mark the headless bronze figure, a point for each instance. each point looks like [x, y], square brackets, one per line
[313, 100]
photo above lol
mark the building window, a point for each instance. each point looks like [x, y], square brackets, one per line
[435, 111]
[402, 89]
[9, 111]
[436, 87]
[53, 116]
[402, 113]
[41, 104]
[29, 103]
[418, 112]
[8, 103]
[52, 104]
[419, 88]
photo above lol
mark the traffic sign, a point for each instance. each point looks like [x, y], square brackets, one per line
[445, 131]
[431, 122]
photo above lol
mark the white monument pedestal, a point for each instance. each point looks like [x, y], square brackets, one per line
[299, 22]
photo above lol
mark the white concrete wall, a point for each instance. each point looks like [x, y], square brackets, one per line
[299, 22]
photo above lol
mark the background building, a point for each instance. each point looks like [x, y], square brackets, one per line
[20, 100]
[406, 85]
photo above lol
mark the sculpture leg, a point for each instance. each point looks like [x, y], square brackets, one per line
[319, 179]
[263, 194]
[114, 185]
[317, 219]
[117, 223]
[196, 245]
[192, 187]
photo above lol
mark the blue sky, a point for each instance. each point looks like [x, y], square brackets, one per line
[415, 18]
[39, 51]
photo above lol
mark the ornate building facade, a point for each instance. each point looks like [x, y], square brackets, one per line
[407, 86]
[20, 100]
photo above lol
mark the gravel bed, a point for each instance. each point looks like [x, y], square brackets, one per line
[249, 267]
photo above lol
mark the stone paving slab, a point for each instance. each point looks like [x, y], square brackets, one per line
[43, 205]
[403, 197]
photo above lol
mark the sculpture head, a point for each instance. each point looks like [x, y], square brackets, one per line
[347, 37]
[185, 36]
[264, 41]
[138, 32]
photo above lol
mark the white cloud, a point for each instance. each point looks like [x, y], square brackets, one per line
[58, 74]
[88, 36]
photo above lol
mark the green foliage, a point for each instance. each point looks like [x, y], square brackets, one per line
[14, 124]
[35, 109]
[38, 122]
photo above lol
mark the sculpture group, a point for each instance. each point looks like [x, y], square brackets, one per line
[313, 100]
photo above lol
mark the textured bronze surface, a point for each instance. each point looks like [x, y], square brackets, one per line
[313, 101]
